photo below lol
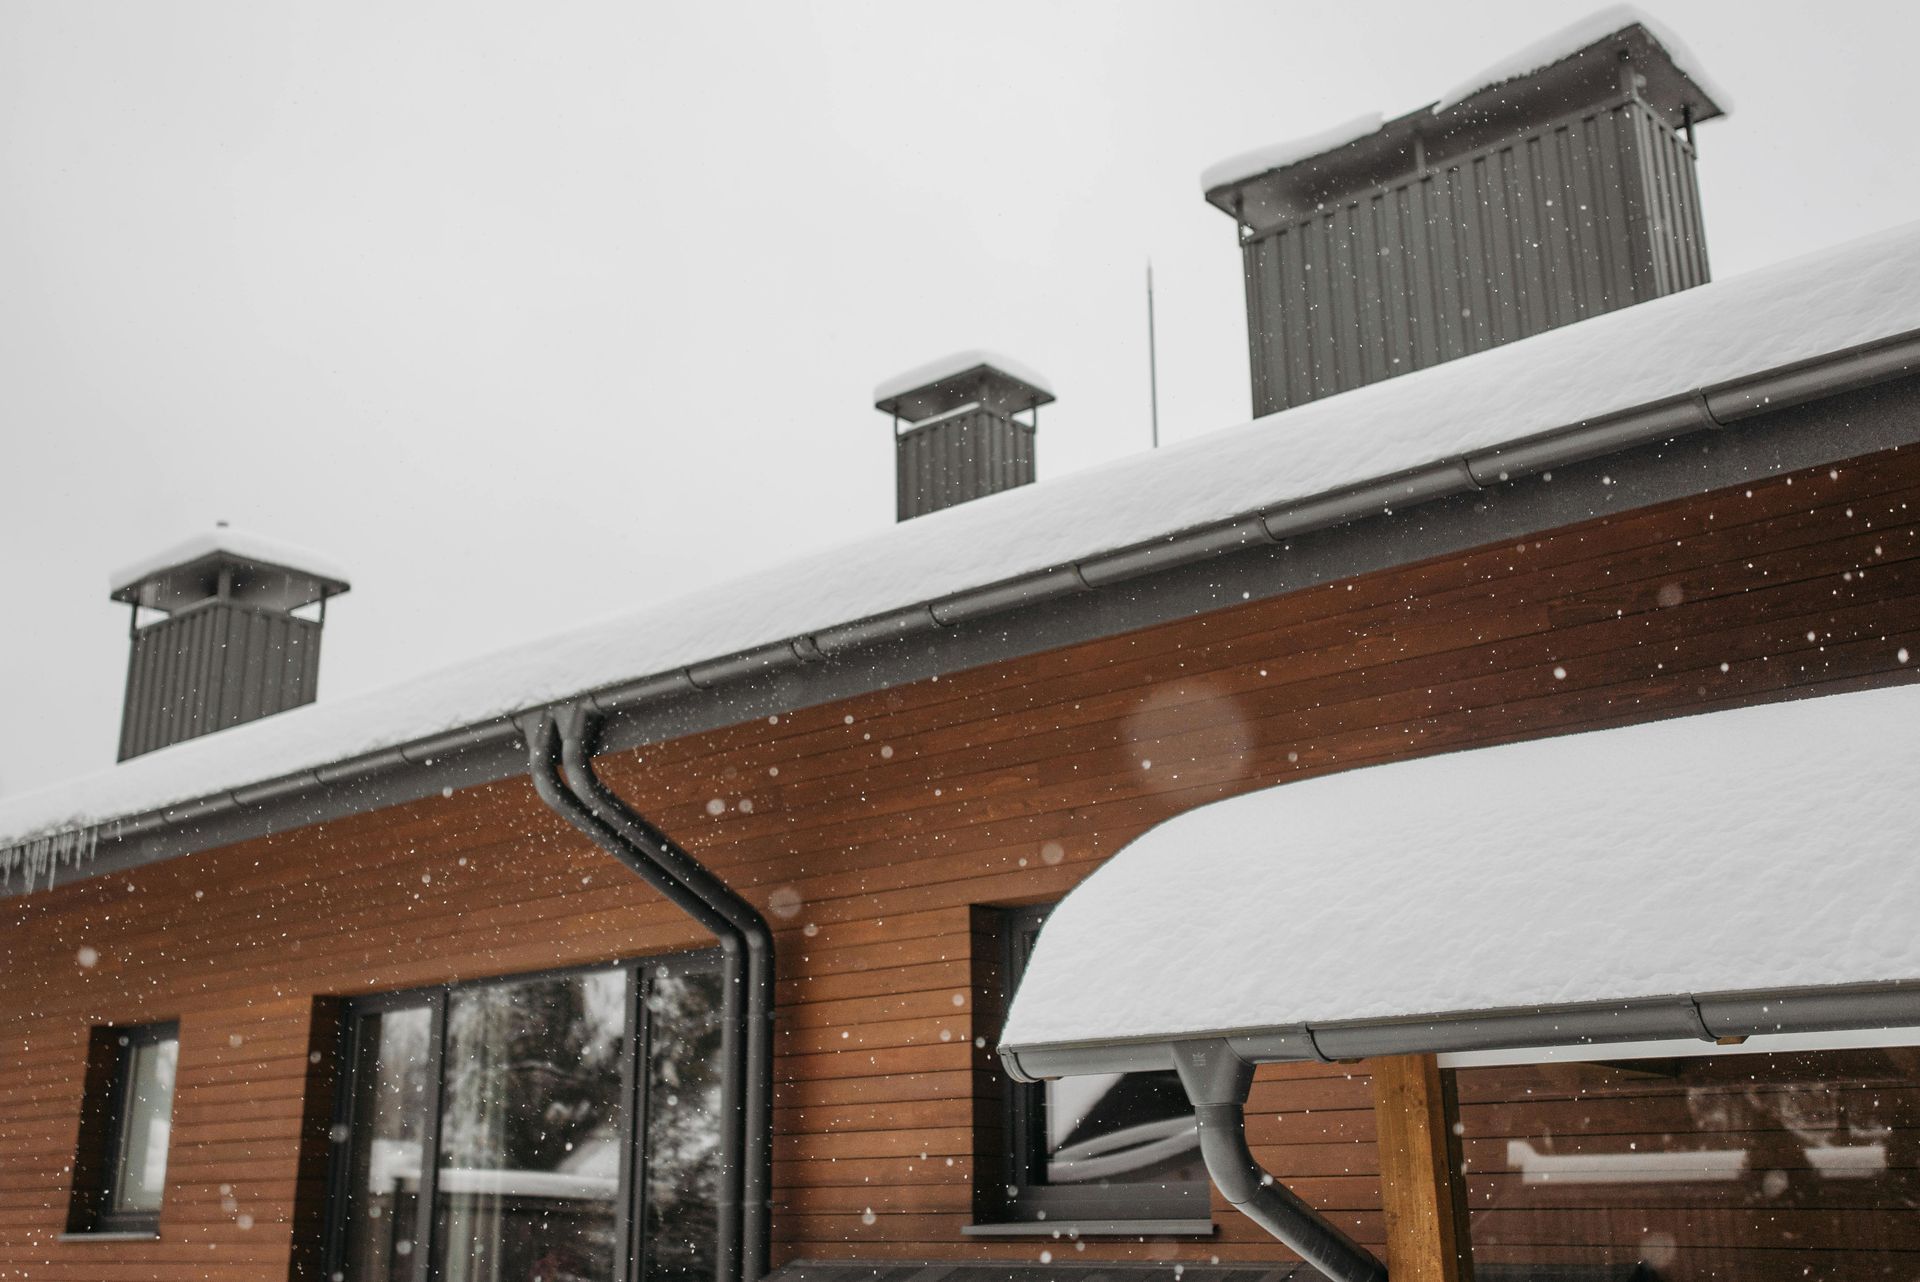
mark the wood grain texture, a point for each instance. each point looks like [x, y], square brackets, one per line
[871, 829]
[1422, 1192]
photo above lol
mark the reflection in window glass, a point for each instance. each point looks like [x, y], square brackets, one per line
[530, 1130]
[683, 1125]
[392, 1107]
[146, 1121]
[1801, 1165]
[1120, 1127]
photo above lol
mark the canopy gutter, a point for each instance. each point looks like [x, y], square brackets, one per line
[1705, 1017]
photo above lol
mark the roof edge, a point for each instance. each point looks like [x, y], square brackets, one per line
[1706, 1017]
[653, 706]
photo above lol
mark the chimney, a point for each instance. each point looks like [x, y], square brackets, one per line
[1555, 186]
[231, 648]
[955, 431]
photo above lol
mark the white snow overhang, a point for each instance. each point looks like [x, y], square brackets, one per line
[1727, 874]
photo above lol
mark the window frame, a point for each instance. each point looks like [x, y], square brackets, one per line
[100, 1166]
[356, 1017]
[1022, 1196]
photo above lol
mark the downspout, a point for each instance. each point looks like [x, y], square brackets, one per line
[1217, 1081]
[560, 750]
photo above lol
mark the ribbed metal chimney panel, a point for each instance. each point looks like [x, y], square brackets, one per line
[963, 456]
[214, 666]
[1590, 213]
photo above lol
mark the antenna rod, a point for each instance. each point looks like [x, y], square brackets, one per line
[1153, 360]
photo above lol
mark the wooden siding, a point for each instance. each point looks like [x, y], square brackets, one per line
[872, 828]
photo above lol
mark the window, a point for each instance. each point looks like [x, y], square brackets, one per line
[120, 1172]
[562, 1127]
[1748, 1162]
[1114, 1146]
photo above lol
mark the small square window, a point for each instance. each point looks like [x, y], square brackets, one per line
[120, 1172]
[1112, 1147]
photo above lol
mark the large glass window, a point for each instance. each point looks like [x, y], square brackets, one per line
[120, 1172]
[1114, 1146]
[545, 1102]
[1762, 1165]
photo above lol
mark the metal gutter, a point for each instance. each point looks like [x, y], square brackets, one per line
[560, 747]
[1228, 561]
[1218, 1081]
[1702, 1017]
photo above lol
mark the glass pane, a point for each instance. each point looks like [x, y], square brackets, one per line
[1782, 1165]
[683, 1125]
[392, 1097]
[1120, 1128]
[530, 1133]
[146, 1122]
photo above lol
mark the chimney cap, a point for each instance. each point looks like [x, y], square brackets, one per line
[939, 387]
[266, 573]
[1577, 64]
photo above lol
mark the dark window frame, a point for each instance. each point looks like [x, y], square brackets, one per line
[100, 1164]
[630, 1254]
[1024, 1195]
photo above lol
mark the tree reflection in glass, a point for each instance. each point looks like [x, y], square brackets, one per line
[391, 1107]
[683, 1125]
[530, 1130]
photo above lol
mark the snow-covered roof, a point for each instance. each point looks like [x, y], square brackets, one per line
[242, 545]
[1759, 850]
[1813, 306]
[1574, 37]
[958, 363]
[1535, 57]
[1278, 155]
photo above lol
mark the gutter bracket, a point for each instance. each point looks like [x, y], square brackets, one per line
[1218, 1082]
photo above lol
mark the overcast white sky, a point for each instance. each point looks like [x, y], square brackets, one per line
[529, 314]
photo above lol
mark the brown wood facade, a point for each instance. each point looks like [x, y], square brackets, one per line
[871, 830]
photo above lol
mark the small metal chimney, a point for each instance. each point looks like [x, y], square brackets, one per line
[956, 431]
[1553, 187]
[230, 647]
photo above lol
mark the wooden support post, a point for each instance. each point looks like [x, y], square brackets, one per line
[1422, 1190]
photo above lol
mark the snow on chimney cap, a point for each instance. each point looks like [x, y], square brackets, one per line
[1537, 77]
[938, 387]
[274, 575]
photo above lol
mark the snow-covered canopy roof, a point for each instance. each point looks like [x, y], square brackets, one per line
[1736, 328]
[1575, 64]
[283, 576]
[1757, 850]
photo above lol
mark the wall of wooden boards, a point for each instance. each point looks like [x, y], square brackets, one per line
[871, 829]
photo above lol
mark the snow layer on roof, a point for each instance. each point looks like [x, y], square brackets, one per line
[239, 543]
[1542, 53]
[1822, 303]
[1570, 40]
[1758, 849]
[1281, 154]
[958, 363]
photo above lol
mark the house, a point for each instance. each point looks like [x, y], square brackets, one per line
[1472, 790]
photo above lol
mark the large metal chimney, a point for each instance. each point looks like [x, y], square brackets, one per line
[956, 431]
[1555, 186]
[230, 647]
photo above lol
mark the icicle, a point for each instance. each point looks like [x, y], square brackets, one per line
[44, 856]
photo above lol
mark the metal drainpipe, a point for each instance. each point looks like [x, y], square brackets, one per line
[560, 748]
[1217, 1081]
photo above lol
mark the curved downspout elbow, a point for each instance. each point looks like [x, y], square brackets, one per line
[1217, 1081]
[561, 767]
